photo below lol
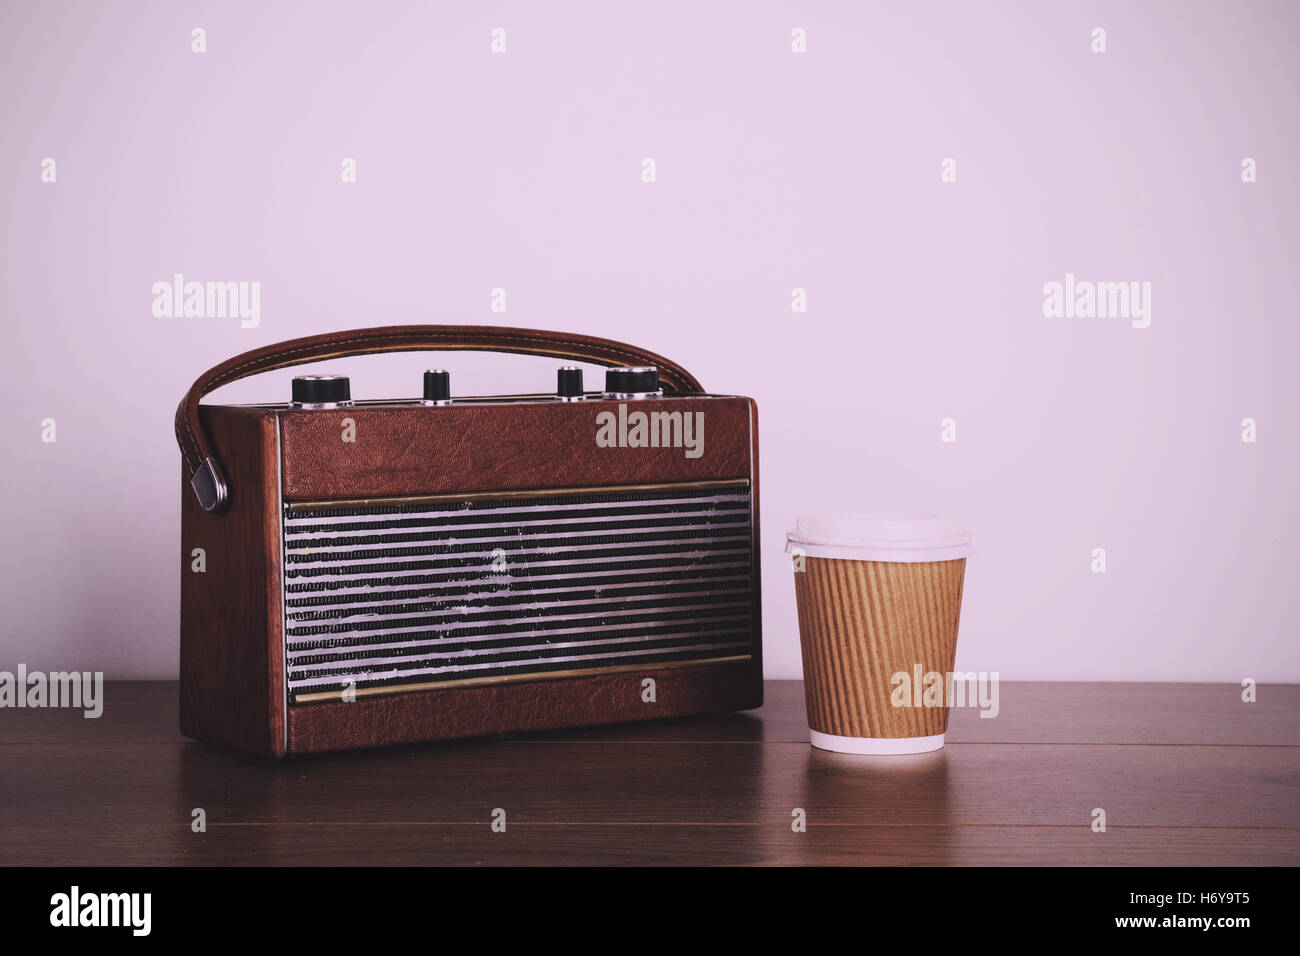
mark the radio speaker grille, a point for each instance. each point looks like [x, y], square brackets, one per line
[387, 598]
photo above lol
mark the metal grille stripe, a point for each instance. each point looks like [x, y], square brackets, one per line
[386, 595]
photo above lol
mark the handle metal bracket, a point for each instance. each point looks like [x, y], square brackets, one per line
[210, 486]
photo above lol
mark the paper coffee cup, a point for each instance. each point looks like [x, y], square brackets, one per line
[879, 601]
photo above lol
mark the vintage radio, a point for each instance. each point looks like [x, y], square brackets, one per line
[364, 572]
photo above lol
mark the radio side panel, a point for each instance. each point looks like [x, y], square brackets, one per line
[231, 668]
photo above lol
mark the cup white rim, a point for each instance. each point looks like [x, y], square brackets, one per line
[883, 746]
[901, 538]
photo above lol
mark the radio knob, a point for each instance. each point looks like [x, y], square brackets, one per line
[321, 391]
[437, 387]
[568, 383]
[631, 381]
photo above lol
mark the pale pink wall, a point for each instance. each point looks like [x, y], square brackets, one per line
[775, 170]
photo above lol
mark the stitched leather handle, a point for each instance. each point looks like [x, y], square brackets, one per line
[206, 475]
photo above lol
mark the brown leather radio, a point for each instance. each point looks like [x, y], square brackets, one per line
[360, 573]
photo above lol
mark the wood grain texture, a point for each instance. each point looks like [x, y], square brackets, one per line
[232, 689]
[1031, 712]
[1185, 778]
[861, 623]
[377, 844]
[566, 782]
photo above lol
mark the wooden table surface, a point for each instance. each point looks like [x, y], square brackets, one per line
[1186, 773]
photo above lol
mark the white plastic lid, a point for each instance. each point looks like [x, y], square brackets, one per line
[902, 538]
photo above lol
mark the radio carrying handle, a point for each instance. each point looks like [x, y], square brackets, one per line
[201, 458]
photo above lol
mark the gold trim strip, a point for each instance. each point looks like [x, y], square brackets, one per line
[511, 495]
[512, 679]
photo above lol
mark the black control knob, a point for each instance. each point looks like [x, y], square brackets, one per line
[631, 381]
[312, 390]
[437, 386]
[568, 382]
